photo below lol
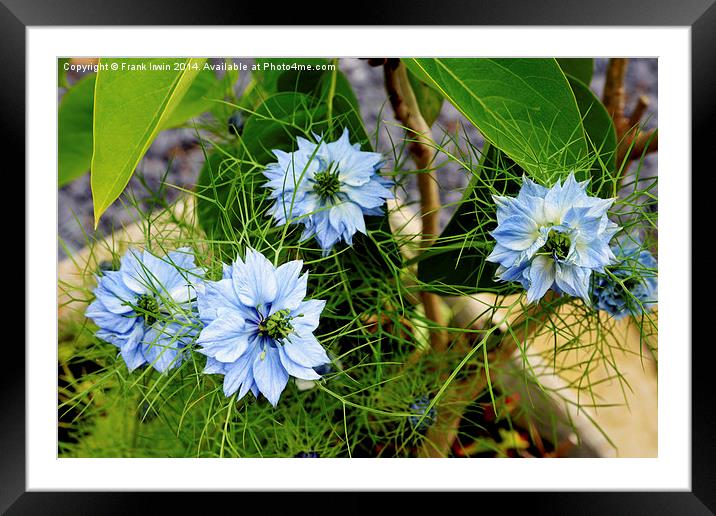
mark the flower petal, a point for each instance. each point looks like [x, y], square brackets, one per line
[296, 370]
[291, 286]
[306, 316]
[239, 375]
[226, 338]
[517, 233]
[574, 280]
[255, 283]
[305, 350]
[131, 348]
[114, 294]
[270, 375]
[213, 366]
[162, 348]
[108, 320]
[541, 275]
[347, 218]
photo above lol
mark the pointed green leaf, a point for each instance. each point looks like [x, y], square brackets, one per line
[600, 132]
[524, 107]
[457, 259]
[580, 67]
[198, 99]
[430, 101]
[131, 105]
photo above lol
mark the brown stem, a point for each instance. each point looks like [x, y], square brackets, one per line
[642, 104]
[407, 111]
[644, 142]
[405, 105]
[441, 435]
[614, 97]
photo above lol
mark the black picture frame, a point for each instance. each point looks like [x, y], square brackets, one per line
[700, 15]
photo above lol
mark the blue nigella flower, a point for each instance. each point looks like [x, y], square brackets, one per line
[419, 408]
[328, 187]
[307, 455]
[552, 238]
[146, 307]
[259, 329]
[637, 272]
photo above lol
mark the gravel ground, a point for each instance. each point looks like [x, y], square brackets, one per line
[175, 157]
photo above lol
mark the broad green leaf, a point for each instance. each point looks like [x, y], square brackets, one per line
[221, 110]
[132, 103]
[600, 131]
[215, 188]
[457, 259]
[430, 101]
[524, 107]
[284, 116]
[74, 130]
[198, 99]
[317, 83]
[271, 69]
[580, 67]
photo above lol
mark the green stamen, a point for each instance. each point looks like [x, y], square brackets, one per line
[557, 245]
[277, 326]
[148, 307]
[327, 183]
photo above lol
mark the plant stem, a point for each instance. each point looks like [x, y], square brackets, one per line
[441, 435]
[614, 97]
[644, 142]
[332, 93]
[422, 148]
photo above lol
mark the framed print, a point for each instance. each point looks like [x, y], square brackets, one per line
[263, 248]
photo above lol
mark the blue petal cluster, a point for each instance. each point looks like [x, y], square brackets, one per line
[329, 187]
[637, 273]
[258, 327]
[307, 455]
[420, 408]
[145, 308]
[552, 238]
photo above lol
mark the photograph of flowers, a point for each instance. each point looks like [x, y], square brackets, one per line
[357, 257]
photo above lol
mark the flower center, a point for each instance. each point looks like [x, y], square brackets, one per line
[277, 326]
[148, 307]
[557, 245]
[631, 283]
[327, 183]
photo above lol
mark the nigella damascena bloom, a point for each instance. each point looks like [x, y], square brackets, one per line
[259, 329]
[146, 308]
[552, 238]
[328, 187]
[635, 289]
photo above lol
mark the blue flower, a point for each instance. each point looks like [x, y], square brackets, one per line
[328, 187]
[146, 307]
[637, 273]
[552, 238]
[259, 329]
[420, 408]
[307, 455]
